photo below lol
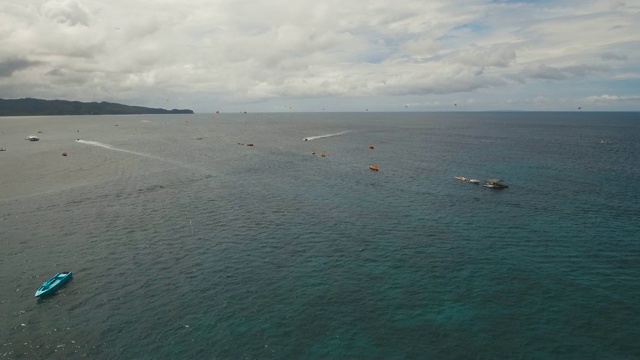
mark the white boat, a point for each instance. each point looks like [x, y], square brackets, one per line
[306, 139]
[32, 138]
[474, 181]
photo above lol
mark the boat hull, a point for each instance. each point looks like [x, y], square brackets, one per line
[52, 285]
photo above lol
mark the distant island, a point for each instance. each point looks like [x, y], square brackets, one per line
[38, 107]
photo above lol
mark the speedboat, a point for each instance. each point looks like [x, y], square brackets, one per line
[52, 285]
[306, 139]
[373, 167]
[495, 184]
[32, 138]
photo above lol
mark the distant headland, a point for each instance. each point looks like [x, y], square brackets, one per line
[39, 107]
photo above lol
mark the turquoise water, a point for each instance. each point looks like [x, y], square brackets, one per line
[191, 248]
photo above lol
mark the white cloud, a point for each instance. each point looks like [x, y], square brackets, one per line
[613, 98]
[69, 12]
[500, 56]
[241, 51]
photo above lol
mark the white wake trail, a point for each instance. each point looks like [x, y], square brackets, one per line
[170, 161]
[309, 138]
[107, 146]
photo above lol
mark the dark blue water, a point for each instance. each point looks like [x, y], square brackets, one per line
[189, 248]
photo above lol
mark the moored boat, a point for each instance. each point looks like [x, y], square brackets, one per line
[474, 181]
[52, 285]
[495, 184]
[32, 138]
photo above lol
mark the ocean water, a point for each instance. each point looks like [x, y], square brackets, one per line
[187, 243]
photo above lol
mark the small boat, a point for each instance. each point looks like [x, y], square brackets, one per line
[495, 184]
[323, 154]
[373, 167]
[474, 181]
[249, 144]
[52, 285]
[64, 153]
[371, 147]
[32, 138]
[306, 139]
[3, 149]
[461, 178]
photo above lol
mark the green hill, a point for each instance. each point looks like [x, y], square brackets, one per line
[36, 107]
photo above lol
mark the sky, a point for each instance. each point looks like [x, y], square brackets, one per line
[325, 55]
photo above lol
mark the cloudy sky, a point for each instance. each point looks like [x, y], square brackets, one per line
[336, 55]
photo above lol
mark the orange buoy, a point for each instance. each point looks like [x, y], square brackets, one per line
[373, 167]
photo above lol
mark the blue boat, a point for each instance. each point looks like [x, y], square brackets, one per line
[52, 285]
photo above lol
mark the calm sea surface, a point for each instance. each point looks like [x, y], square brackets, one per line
[206, 248]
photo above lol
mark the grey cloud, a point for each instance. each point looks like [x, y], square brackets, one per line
[612, 56]
[542, 71]
[10, 65]
[498, 56]
[584, 70]
[55, 72]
